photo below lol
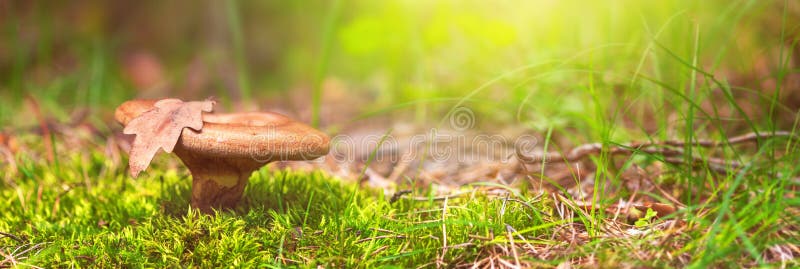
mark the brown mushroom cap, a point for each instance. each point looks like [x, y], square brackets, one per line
[229, 147]
[261, 136]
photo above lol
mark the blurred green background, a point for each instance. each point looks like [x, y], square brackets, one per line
[537, 64]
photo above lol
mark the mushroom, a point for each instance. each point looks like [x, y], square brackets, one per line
[230, 147]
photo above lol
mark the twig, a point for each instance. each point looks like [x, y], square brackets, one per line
[8, 260]
[380, 237]
[669, 149]
[14, 237]
[32, 248]
[748, 137]
[397, 195]
[438, 198]
[379, 250]
[462, 245]
[509, 232]
[444, 231]
[384, 230]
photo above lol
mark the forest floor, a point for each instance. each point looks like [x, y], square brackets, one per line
[67, 200]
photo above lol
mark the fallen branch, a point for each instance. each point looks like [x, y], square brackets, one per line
[670, 149]
[13, 237]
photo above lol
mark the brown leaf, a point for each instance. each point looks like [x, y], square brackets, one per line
[161, 127]
[661, 210]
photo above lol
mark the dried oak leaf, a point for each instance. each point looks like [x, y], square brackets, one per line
[161, 127]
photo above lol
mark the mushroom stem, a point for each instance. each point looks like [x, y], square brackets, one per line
[217, 183]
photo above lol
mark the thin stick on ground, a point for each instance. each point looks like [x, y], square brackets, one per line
[444, 233]
[670, 149]
[509, 232]
[14, 237]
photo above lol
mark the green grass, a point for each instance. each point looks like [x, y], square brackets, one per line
[87, 212]
[83, 215]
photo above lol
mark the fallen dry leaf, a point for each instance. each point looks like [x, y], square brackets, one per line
[161, 127]
[661, 209]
